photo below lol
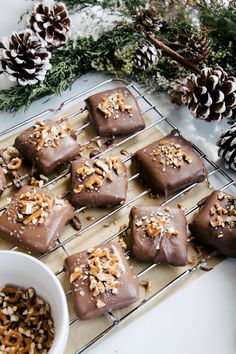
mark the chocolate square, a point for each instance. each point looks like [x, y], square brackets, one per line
[47, 145]
[115, 112]
[215, 223]
[99, 182]
[159, 235]
[3, 180]
[169, 164]
[34, 219]
[101, 280]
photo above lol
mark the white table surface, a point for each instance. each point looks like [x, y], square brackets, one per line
[166, 328]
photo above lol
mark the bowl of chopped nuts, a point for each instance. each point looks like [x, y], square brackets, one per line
[33, 307]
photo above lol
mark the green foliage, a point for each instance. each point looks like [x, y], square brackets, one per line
[106, 4]
[114, 51]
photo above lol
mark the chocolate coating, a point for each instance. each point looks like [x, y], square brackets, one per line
[222, 237]
[120, 122]
[48, 159]
[110, 193]
[35, 237]
[85, 303]
[3, 181]
[164, 178]
[161, 247]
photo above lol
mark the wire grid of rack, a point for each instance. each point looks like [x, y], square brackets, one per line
[158, 119]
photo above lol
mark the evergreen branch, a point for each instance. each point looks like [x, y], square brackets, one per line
[68, 64]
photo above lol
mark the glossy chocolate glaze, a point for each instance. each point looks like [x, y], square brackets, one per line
[3, 181]
[171, 250]
[168, 180]
[48, 159]
[84, 301]
[114, 126]
[111, 193]
[37, 238]
[223, 238]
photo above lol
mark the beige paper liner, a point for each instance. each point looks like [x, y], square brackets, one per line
[83, 332]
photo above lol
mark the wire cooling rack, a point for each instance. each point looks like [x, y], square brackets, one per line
[220, 179]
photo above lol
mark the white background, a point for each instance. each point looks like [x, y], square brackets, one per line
[166, 328]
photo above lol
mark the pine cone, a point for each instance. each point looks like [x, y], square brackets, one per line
[51, 22]
[146, 56]
[147, 19]
[198, 48]
[227, 144]
[210, 95]
[24, 58]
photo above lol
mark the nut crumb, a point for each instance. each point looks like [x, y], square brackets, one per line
[147, 284]
[100, 304]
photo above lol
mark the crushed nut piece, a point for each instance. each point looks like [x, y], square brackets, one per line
[76, 274]
[94, 182]
[100, 304]
[14, 164]
[147, 284]
[79, 188]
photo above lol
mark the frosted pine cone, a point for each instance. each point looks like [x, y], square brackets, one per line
[227, 144]
[210, 95]
[24, 58]
[198, 48]
[146, 56]
[147, 19]
[51, 22]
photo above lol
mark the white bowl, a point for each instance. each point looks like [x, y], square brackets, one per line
[25, 271]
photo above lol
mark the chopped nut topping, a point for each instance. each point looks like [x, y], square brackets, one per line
[171, 154]
[10, 153]
[157, 225]
[85, 171]
[36, 183]
[94, 182]
[76, 274]
[79, 188]
[102, 269]
[26, 325]
[113, 104]
[223, 215]
[33, 207]
[100, 304]
[46, 136]
[101, 170]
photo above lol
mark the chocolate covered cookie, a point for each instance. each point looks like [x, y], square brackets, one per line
[101, 280]
[169, 164]
[115, 112]
[159, 235]
[215, 223]
[47, 145]
[3, 181]
[35, 219]
[99, 182]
